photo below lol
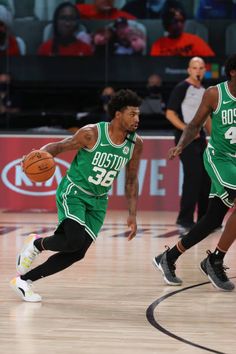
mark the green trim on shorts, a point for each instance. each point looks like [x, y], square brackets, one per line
[224, 199]
[67, 213]
[223, 183]
[88, 211]
[213, 164]
[73, 217]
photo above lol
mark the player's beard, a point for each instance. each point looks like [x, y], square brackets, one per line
[129, 131]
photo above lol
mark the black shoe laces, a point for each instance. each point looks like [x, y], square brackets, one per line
[219, 268]
[171, 265]
[172, 269]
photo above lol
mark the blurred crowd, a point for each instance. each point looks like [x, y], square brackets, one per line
[115, 27]
[105, 28]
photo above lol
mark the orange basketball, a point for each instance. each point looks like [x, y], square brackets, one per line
[39, 165]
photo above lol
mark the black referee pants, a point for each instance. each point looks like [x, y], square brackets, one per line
[196, 183]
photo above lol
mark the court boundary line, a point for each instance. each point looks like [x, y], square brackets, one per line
[151, 319]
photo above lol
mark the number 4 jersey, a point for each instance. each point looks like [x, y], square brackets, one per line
[220, 155]
[94, 170]
[223, 135]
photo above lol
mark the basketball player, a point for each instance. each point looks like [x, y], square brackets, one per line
[103, 149]
[220, 162]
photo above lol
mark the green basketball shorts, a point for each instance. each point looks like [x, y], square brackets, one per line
[87, 210]
[222, 171]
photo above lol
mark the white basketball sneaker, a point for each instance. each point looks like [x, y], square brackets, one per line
[27, 255]
[24, 290]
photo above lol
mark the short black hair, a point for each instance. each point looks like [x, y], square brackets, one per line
[230, 64]
[168, 12]
[122, 99]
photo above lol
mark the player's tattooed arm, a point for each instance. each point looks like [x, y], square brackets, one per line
[207, 106]
[85, 137]
[131, 186]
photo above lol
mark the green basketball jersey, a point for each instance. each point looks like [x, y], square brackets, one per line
[94, 170]
[223, 134]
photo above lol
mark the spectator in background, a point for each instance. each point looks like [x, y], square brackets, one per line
[9, 101]
[145, 8]
[65, 41]
[177, 42]
[107, 93]
[183, 104]
[216, 9]
[129, 37]
[102, 41]
[102, 10]
[99, 112]
[8, 42]
[123, 37]
[138, 40]
[153, 103]
[153, 107]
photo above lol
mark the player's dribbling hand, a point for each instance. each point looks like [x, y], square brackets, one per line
[173, 152]
[22, 161]
[132, 224]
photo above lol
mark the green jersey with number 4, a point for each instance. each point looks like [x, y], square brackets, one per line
[94, 170]
[223, 134]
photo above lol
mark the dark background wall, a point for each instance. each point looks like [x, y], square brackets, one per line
[52, 87]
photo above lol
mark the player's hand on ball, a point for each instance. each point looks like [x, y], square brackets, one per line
[39, 165]
[22, 161]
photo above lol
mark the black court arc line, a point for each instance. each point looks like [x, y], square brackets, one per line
[151, 319]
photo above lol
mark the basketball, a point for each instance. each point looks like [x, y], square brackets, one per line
[38, 165]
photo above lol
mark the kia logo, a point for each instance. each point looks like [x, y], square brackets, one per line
[15, 179]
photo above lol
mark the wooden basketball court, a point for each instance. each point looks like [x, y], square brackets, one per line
[115, 301]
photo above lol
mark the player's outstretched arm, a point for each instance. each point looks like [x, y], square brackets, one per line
[84, 137]
[131, 187]
[207, 106]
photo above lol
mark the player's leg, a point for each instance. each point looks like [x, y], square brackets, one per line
[56, 263]
[192, 161]
[27, 254]
[221, 170]
[61, 260]
[61, 240]
[75, 237]
[203, 197]
[166, 261]
[71, 206]
[213, 264]
[75, 241]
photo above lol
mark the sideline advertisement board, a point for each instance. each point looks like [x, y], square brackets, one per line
[159, 178]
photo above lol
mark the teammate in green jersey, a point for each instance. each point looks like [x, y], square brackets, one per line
[102, 150]
[220, 162]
